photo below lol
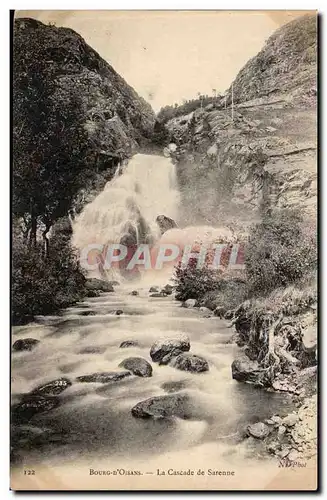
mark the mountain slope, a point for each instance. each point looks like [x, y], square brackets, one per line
[263, 152]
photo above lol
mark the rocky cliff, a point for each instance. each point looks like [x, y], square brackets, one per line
[261, 151]
[116, 118]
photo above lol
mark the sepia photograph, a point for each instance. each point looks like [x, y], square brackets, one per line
[164, 251]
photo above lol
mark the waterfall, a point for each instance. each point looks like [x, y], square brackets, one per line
[129, 204]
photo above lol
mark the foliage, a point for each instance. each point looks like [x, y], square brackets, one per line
[40, 284]
[280, 251]
[193, 283]
[168, 112]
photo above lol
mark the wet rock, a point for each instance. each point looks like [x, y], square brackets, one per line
[158, 294]
[219, 312]
[168, 357]
[165, 223]
[104, 377]
[189, 363]
[93, 293]
[245, 370]
[98, 285]
[129, 343]
[168, 289]
[258, 430]
[162, 407]
[206, 311]
[154, 289]
[25, 344]
[290, 420]
[134, 292]
[229, 314]
[174, 386]
[53, 388]
[92, 349]
[32, 405]
[87, 313]
[169, 346]
[119, 312]
[189, 303]
[138, 366]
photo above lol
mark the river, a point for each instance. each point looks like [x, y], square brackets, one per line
[93, 426]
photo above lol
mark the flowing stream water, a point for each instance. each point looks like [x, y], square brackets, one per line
[94, 424]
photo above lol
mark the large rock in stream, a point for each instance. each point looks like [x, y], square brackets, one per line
[138, 366]
[163, 407]
[245, 370]
[52, 388]
[189, 363]
[25, 345]
[165, 223]
[104, 377]
[32, 405]
[163, 350]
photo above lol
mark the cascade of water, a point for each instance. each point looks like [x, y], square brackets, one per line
[129, 204]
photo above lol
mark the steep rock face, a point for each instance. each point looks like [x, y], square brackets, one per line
[263, 154]
[116, 118]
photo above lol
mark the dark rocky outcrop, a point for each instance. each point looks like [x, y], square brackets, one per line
[52, 388]
[162, 407]
[189, 363]
[169, 347]
[129, 343]
[165, 223]
[104, 377]
[25, 344]
[32, 405]
[138, 366]
[154, 289]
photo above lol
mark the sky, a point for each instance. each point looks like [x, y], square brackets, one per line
[168, 56]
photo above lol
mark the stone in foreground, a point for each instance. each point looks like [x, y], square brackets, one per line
[25, 344]
[190, 363]
[53, 388]
[32, 405]
[162, 407]
[138, 366]
[258, 430]
[104, 377]
[171, 345]
[129, 343]
[245, 370]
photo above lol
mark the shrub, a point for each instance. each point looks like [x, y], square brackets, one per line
[193, 283]
[280, 251]
[42, 285]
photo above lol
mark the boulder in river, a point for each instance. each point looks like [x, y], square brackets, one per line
[129, 343]
[154, 289]
[189, 363]
[162, 407]
[169, 346]
[119, 312]
[32, 405]
[158, 294]
[165, 223]
[93, 293]
[245, 370]
[138, 366]
[258, 430]
[189, 303]
[174, 385]
[99, 285]
[104, 377]
[25, 344]
[167, 289]
[134, 292]
[52, 388]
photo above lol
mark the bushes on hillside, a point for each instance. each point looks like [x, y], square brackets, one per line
[280, 251]
[43, 284]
